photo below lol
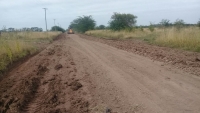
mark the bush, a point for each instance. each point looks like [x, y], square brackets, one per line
[179, 23]
[100, 27]
[141, 28]
[165, 23]
[198, 23]
[57, 28]
[151, 27]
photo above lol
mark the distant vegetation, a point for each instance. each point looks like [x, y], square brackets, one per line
[179, 23]
[165, 23]
[83, 24]
[176, 34]
[15, 45]
[35, 29]
[187, 38]
[198, 23]
[100, 27]
[57, 28]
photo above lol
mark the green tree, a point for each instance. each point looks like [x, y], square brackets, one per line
[102, 26]
[165, 23]
[122, 21]
[179, 23]
[57, 28]
[83, 24]
[198, 23]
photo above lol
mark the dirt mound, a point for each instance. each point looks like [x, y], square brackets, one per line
[75, 85]
[61, 36]
[16, 100]
[38, 86]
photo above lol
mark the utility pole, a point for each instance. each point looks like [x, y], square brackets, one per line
[45, 17]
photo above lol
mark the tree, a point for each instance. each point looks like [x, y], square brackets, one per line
[122, 21]
[102, 26]
[57, 28]
[83, 24]
[198, 23]
[165, 23]
[179, 23]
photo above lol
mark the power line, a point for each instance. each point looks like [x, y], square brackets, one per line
[45, 17]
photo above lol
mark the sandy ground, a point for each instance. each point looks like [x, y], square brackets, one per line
[77, 75]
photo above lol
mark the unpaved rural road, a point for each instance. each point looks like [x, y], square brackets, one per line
[76, 75]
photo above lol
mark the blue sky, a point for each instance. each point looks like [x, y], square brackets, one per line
[29, 13]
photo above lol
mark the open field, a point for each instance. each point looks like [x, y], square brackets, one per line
[15, 45]
[185, 38]
[79, 74]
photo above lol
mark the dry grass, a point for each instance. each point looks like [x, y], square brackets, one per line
[109, 34]
[185, 38]
[15, 45]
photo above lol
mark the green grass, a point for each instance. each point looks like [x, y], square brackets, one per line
[15, 45]
[186, 38]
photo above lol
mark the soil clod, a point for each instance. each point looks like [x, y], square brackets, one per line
[197, 59]
[59, 66]
[51, 52]
[41, 70]
[75, 85]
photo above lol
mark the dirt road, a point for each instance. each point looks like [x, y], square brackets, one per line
[75, 75]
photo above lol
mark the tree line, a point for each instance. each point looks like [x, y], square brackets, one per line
[120, 21]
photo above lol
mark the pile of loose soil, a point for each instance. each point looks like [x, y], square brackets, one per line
[46, 83]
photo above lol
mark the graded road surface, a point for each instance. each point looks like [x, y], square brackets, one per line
[76, 75]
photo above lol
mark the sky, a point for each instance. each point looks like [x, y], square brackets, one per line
[30, 13]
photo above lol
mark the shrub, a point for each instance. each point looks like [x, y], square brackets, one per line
[151, 27]
[179, 23]
[198, 23]
[57, 28]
